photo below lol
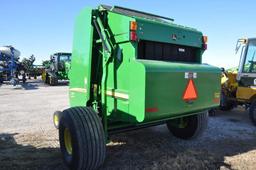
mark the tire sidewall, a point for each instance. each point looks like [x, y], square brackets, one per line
[87, 138]
[252, 112]
[196, 124]
[189, 130]
[70, 160]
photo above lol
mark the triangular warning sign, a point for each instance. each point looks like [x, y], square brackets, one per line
[190, 92]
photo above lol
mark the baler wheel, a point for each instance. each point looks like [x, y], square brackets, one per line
[188, 127]
[82, 139]
[56, 119]
[212, 112]
[252, 112]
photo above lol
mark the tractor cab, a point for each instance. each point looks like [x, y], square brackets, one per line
[246, 48]
[59, 59]
[57, 69]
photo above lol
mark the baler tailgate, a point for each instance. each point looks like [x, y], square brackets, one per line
[173, 89]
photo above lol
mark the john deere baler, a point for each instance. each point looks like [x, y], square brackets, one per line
[129, 70]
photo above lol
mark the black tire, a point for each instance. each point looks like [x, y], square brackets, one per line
[227, 107]
[225, 104]
[212, 112]
[46, 81]
[252, 112]
[87, 138]
[53, 81]
[24, 79]
[195, 125]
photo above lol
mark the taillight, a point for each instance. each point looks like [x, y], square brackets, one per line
[205, 40]
[133, 36]
[133, 29]
[133, 26]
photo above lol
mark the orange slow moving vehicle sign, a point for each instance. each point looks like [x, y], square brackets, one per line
[190, 91]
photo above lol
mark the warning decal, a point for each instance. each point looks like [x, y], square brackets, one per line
[190, 91]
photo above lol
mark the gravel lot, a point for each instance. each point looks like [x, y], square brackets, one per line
[28, 139]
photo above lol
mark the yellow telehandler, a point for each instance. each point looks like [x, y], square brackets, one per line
[239, 85]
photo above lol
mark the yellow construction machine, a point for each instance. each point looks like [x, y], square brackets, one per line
[239, 84]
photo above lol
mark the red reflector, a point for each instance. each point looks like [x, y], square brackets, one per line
[133, 36]
[216, 100]
[152, 109]
[190, 92]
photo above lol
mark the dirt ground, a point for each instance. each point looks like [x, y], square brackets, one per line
[28, 139]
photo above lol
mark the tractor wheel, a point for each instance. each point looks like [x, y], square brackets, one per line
[24, 79]
[82, 139]
[43, 76]
[225, 104]
[53, 81]
[56, 119]
[46, 78]
[227, 107]
[188, 127]
[252, 112]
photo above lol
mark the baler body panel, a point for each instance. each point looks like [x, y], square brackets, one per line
[119, 25]
[160, 86]
[168, 33]
[79, 86]
[166, 83]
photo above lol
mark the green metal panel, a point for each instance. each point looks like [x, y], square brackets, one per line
[161, 85]
[184, 36]
[166, 83]
[122, 80]
[120, 26]
[79, 88]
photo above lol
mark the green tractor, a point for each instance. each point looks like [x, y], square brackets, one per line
[57, 68]
[132, 70]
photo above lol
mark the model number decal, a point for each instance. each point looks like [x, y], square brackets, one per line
[190, 75]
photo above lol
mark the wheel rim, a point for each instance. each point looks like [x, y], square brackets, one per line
[44, 76]
[56, 120]
[67, 140]
[183, 123]
[180, 123]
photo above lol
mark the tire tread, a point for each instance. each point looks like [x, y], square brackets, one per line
[90, 137]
